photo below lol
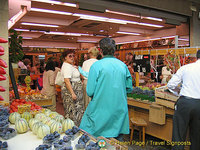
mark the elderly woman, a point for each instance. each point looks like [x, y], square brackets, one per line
[72, 89]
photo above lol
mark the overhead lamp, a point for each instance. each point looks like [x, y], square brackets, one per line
[131, 33]
[51, 11]
[37, 24]
[56, 2]
[21, 29]
[65, 33]
[27, 38]
[131, 15]
[168, 37]
[145, 24]
[85, 41]
[180, 39]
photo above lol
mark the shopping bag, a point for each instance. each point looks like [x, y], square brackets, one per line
[59, 79]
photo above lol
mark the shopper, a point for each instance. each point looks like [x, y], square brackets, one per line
[93, 53]
[108, 82]
[49, 83]
[187, 108]
[72, 89]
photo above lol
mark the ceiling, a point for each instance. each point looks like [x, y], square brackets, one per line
[87, 30]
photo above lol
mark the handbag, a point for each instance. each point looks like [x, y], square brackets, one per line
[59, 79]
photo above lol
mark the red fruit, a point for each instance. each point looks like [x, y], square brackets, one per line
[3, 40]
[2, 89]
[2, 71]
[1, 49]
[2, 78]
[1, 53]
[1, 98]
[3, 63]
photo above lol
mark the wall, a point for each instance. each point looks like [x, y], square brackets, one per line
[4, 34]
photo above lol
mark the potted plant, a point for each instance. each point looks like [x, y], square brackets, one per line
[15, 46]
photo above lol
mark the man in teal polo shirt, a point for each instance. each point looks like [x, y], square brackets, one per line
[109, 81]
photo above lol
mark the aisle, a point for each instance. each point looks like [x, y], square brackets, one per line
[59, 107]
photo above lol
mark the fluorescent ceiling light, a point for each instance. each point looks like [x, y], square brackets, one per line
[71, 34]
[117, 21]
[131, 15]
[67, 47]
[37, 24]
[17, 17]
[131, 33]
[125, 42]
[145, 24]
[86, 41]
[56, 2]
[51, 11]
[168, 37]
[180, 39]
[21, 29]
[41, 46]
[26, 38]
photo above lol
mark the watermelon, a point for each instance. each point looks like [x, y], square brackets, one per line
[67, 124]
[13, 117]
[21, 125]
[27, 116]
[36, 126]
[56, 126]
[43, 130]
[31, 122]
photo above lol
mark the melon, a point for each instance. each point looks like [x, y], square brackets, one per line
[67, 124]
[46, 120]
[43, 130]
[53, 114]
[21, 125]
[13, 117]
[49, 122]
[27, 116]
[59, 118]
[31, 122]
[36, 127]
[40, 116]
[56, 126]
[47, 112]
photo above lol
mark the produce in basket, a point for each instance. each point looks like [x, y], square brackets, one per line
[21, 125]
[13, 117]
[43, 147]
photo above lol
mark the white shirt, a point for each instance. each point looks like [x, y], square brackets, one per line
[87, 64]
[189, 76]
[69, 71]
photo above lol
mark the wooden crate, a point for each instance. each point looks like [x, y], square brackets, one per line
[160, 92]
[43, 102]
[165, 98]
[157, 114]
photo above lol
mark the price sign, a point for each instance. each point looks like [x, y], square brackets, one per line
[141, 63]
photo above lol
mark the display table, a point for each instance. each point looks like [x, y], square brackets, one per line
[140, 109]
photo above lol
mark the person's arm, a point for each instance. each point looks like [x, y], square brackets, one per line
[69, 87]
[175, 81]
[82, 72]
[129, 85]
[92, 81]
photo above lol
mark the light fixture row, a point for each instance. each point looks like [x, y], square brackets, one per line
[96, 18]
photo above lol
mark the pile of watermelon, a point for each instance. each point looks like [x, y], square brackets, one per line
[15, 103]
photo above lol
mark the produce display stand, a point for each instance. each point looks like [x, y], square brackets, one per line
[43, 102]
[141, 109]
[29, 141]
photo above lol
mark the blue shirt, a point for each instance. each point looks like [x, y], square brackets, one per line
[109, 81]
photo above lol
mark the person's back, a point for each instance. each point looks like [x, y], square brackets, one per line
[191, 80]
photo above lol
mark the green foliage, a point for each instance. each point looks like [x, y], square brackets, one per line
[15, 46]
